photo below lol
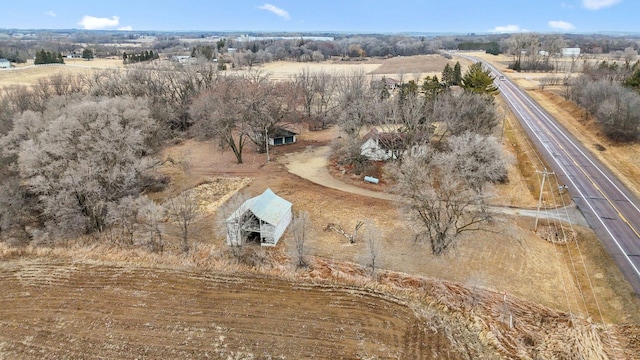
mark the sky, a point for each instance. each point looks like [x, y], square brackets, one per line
[367, 16]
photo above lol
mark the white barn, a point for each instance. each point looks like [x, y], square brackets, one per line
[5, 64]
[263, 218]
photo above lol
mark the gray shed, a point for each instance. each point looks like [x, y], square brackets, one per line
[263, 218]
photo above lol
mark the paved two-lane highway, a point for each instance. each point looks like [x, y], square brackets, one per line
[609, 207]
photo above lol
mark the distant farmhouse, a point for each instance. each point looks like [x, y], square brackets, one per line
[5, 64]
[262, 219]
[183, 59]
[570, 52]
[391, 84]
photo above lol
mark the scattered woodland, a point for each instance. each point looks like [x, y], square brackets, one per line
[79, 154]
[80, 158]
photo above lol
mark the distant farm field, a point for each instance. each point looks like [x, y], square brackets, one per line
[29, 74]
[68, 302]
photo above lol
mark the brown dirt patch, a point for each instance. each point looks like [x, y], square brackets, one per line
[407, 65]
[110, 311]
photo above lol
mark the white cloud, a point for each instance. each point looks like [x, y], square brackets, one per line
[96, 23]
[566, 6]
[276, 10]
[125, 28]
[561, 25]
[50, 13]
[599, 4]
[507, 29]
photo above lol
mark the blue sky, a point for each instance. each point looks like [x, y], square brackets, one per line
[383, 16]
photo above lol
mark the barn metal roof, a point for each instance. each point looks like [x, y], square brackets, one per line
[269, 207]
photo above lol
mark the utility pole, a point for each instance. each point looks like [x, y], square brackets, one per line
[544, 173]
[266, 141]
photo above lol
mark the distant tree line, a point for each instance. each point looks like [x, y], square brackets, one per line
[609, 92]
[491, 47]
[139, 57]
[46, 57]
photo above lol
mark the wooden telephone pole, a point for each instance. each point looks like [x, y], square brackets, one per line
[544, 173]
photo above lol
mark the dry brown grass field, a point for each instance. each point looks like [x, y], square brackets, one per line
[112, 301]
[29, 75]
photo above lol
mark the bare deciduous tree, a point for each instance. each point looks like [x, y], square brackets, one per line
[81, 155]
[301, 228]
[372, 239]
[151, 216]
[444, 194]
[184, 209]
[465, 112]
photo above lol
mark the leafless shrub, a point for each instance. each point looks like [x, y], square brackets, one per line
[301, 228]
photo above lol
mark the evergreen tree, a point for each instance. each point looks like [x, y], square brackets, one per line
[39, 57]
[493, 49]
[457, 74]
[46, 57]
[633, 81]
[478, 80]
[431, 87]
[220, 44]
[447, 75]
[87, 54]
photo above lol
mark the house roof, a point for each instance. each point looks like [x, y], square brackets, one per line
[281, 132]
[4, 60]
[267, 207]
[386, 140]
[391, 81]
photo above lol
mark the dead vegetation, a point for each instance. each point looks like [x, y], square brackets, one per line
[415, 316]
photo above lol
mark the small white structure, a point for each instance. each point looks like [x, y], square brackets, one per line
[282, 136]
[183, 59]
[263, 218]
[381, 146]
[570, 52]
[5, 64]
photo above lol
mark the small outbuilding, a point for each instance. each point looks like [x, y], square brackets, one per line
[263, 219]
[5, 64]
[282, 136]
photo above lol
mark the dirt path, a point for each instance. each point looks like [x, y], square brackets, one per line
[52, 310]
[311, 164]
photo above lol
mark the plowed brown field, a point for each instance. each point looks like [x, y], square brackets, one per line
[63, 311]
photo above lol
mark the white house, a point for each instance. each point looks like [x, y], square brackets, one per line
[391, 84]
[263, 219]
[5, 64]
[382, 146]
[570, 52]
